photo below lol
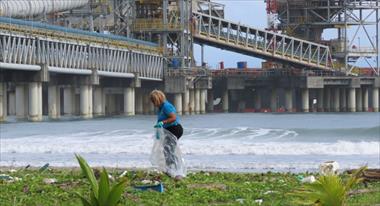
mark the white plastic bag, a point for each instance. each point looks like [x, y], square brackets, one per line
[166, 154]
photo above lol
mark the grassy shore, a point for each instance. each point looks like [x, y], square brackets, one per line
[31, 187]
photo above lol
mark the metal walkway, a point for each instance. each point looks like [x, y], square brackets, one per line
[26, 45]
[220, 33]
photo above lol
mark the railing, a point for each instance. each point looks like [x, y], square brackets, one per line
[260, 43]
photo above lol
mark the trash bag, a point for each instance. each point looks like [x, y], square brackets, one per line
[166, 154]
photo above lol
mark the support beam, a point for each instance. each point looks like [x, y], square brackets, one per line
[54, 99]
[336, 100]
[375, 99]
[257, 99]
[35, 101]
[273, 100]
[178, 103]
[327, 100]
[139, 102]
[351, 100]
[305, 100]
[365, 99]
[197, 101]
[192, 101]
[22, 104]
[289, 100]
[359, 100]
[225, 102]
[129, 101]
[86, 101]
[99, 101]
[11, 103]
[203, 96]
[210, 101]
[320, 101]
[69, 101]
[186, 102]
[343, 100]
[3, 101]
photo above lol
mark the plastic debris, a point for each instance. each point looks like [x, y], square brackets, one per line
[123, 174]
[240, 200]
[329, 168]
[269, 192]
[49, 181]
[259, 201]
[146, 181]
[43, 168]
[5, 177]
[299, 177]
[157, 187]
[110, 177]
[308, 179]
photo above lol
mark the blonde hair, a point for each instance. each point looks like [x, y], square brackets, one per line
[157, 97]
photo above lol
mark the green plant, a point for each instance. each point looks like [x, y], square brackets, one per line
[329, 190]
[101, 194]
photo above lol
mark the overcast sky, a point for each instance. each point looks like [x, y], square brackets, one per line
[253, 13]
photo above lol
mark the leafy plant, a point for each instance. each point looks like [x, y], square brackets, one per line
[102, 194]
[329, 190]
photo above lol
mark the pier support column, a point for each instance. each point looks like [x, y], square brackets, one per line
[197, 101]
[305, 100]
[186, 102]
[21, 101]
[343, 100]
[203, 97]
[146, 102]
[54, 100]
[225, 101]
[99, 101]
[351, 100]
[139, 102]
[375, 99]
[365, 99]
[3, 101]
[289, 100]
[35, 101]
[86, 101]
[273, 100]
[320, 100]
[210, 101]
[327, 100]
[359, 100]
[336, 100]
[11, 103]
[129, 101]
[68, 100]
[178, 103]
[257, 100]
[192, 101]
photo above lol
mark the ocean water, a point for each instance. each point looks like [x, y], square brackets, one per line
[241, 142]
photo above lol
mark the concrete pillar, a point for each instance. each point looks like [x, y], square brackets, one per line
[352, 100]
[129, 101]
[139, 102]
[375, 99]
[3, 101]
[11, 103]
[273, 100]
[289, 100]
[320, 100]
[178, 103]
[111, 104]
[192, 101]
[186, 102]
[21, 101]
[210, 101]
[257, 101]
[365, 99]
[68, 100]
[99, 101]
[225, 101]
[305, 100]
[336, 100]
[197, 101]
[35, 101]
[328, 100]
[54, 100]
[343, 100]
[359, 100]
[203, 97]
[146, 103]
[86, 101]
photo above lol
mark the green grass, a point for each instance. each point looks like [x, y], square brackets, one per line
[201, 188]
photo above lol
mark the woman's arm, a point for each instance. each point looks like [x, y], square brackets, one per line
[172, 118]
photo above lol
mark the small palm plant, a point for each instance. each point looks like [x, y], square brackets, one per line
[101, 193]
[329, 190]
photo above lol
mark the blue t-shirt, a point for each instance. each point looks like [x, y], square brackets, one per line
[163, 113]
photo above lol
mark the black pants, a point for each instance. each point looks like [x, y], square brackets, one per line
[170, 145]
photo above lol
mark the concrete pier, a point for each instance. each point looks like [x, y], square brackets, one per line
[186, 102]
[99, 101]
[192, 101]
[336, 100]
[86, 101]
[22, 97]
[203, 96]
[327, 100]
[289, 100]
[273, 100]
[320, 102]
[54, 102]
[197, 101]
[178, 103]
[351, 100]
[69, 100]
[139, 102]
[210, 101]
[11, 103]
[305, 100]
[35, 101]
[129, 101]
[257, 100]
[365, 99]
[359, 100]
[3, 101]
[343, 100]
[375, 99]
[225, 101]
